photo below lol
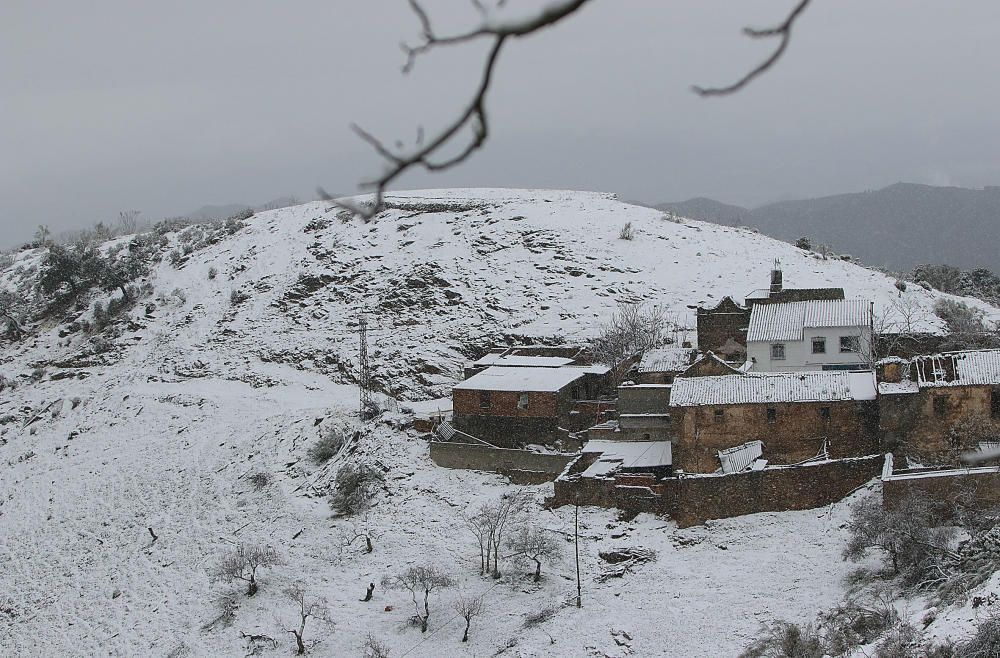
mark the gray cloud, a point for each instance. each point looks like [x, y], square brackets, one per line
[168, 106]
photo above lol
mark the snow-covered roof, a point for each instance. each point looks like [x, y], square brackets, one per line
[969, 368]
[786, 321]
[628, 454]
[666, 359]
[499, 359]
[763, 388]
[540, 380]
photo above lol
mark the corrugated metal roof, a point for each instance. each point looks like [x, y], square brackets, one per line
[969, 368]
[762, 388]
[514, 360]
[785, 322]
[739, 458]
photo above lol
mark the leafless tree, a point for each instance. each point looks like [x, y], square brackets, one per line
[128, 222]
[490, 521]
[364, 532]
[308, 607]
[468, 608]
[632, 331]
[911, 535]
[420, 581]
[374, 647]
[242, 562]
[473, 121]
[533, 544]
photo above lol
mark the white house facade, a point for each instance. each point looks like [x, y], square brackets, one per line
[812, 335]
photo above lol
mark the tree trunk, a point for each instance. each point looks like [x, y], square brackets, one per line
[423, 624]
[252, 589]
[370, 546]
[468, 622]
[538, 570]
[300, 648]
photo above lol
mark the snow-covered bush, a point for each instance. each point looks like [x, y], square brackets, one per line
[329, 444]
[903, 641]
[856, 623]
[355, 487]
[259, 480]
[238, 296]
[986, 642]
[786, 640]
[212, 273]
[627, 232]
[804, 243]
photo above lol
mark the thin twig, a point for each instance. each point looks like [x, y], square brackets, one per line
[784, 31]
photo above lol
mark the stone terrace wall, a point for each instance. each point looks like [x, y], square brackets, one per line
[978, 486]
[694, 500]
[522, 466]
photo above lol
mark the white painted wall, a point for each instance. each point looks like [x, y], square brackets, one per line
[799, 356]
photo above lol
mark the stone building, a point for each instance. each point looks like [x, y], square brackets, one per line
[797, 416]
[813, 335]
[723, 329]
[513, 406]
[933, 408]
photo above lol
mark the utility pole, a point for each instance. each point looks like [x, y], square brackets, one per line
[366, 403]
[576, 536]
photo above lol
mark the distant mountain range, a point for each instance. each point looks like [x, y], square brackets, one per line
[897, 227]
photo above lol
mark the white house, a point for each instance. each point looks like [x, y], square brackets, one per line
[812, 335]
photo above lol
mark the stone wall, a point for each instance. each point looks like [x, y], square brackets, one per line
[721, 327]
[979, 487]
[522, 466]
[694, 500]
[796, 433]
[921, 424]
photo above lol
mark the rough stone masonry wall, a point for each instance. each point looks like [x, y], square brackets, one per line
[979, 487]
[910, 424]
[718, 326]
[522, 466]
[795, 435]
[694, 500]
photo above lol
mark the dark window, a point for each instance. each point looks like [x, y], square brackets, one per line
[522, 401]
[824, 413]
[850, 343]
[995, 403]
[575, 392]
[819, 345]
[719, 415]
[645, 437]
[772, 414]
[778, 352]
[484, 399]
[940, 405]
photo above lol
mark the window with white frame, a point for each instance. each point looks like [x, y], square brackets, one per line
[522, 401]
[778, 352]
[819, 345]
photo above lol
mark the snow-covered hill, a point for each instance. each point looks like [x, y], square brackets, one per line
[161, 426]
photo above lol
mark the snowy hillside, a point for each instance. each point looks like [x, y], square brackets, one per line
[162, 426]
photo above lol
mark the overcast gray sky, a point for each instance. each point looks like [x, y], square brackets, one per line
[165, 107]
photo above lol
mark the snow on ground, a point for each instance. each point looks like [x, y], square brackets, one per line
[163, 430]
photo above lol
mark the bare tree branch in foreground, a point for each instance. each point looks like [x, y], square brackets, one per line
[784, 31]
[474, 116]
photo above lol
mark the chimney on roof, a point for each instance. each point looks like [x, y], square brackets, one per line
[776, 277]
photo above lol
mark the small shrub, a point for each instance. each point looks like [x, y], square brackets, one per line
[180, 295]
[259, 480]
[540, 616]
[903, 641]
[176, 257]
[237, 296]
[37, 375]
[804, 243]
[212, 273]
[901, 286]
[355, 487]
[329, 444]
[627, 232]
[74, 403]
[786, 640]
[986, 642]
